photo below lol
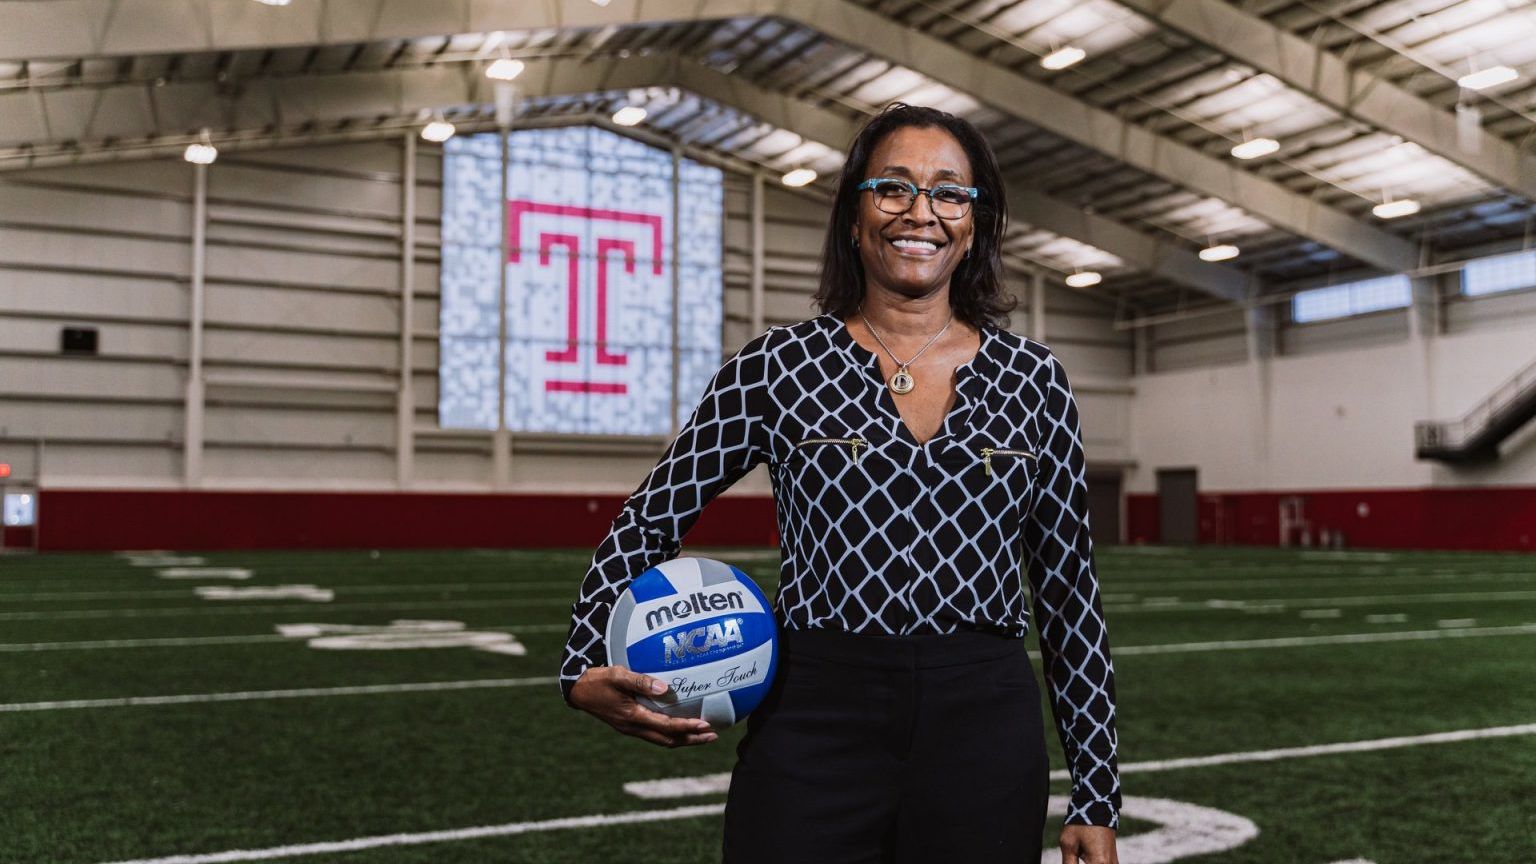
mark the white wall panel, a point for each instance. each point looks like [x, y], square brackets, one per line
[75, 209]
[87, 295]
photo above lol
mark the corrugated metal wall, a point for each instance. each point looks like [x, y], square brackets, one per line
[302, 331]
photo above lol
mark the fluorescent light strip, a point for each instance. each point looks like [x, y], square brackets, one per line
[629, 115]
[504, 69]
[1396, 209]
[1493, 76]
[1061, 58]
[1255, 148]
[1224, 252]
[799, 177]
[1085, 279]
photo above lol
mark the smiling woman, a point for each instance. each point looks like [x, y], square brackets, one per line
[921, 457]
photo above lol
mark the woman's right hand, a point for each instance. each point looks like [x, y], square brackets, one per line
[609, 694]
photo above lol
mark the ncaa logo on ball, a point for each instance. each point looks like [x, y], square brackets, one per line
[706, 629]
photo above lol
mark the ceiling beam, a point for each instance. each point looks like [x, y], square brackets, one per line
[137, 111]
[84, 28]
[1359, 94]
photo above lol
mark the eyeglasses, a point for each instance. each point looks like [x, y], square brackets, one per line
[947, 200]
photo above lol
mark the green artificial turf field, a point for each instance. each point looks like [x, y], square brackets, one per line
[1235, 669]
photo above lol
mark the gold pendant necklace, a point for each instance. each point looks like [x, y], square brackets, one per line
[902, 381]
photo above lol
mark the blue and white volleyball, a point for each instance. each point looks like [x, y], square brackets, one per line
[703, 627]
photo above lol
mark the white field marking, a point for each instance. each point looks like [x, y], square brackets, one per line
[165, 560]
[1387, 618]
[403, 635]
[1159, 601]
[1322, 613]
[1321, 749]
[426, 588]
[1347, 600]
[1455, 623]
[197, 641]
[142, 553]
[265, 695]
[1348, 556]
[447, 836]
[1326, 580]
[1334, 639]
[199, 611]
[204, 573]
[1184, 831]
[1117, 598]
[712, 784]
[1356, 861]
[266, 592]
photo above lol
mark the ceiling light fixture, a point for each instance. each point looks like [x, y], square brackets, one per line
[274, 2]
[437, 131]
[1061, 58]
[629, 115]
[1223, 252]
[600, 2]
[1255, 147]
[504, 69]
[201, 152]
[1084, 279]
[1493, 76]
[1396, 209]
[799, 177]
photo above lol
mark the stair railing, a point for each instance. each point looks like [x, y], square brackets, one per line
[1450, 434]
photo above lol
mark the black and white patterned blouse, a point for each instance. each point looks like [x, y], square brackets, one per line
[881, 534]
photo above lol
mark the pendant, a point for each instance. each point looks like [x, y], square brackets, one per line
[902, 381]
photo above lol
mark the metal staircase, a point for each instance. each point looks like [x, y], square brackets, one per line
[1475, 438]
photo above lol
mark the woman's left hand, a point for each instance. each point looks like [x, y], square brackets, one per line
[1088, 844]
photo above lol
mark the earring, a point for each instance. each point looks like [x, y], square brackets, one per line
[855, 242]
[967, 253]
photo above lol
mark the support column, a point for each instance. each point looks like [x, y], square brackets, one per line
[1262, 341]
[501, 440]
[192, 445]
[1037, 306]
[759, 253]
[1141, 350]
[405, 402]
[672, 402]
[1425, 325]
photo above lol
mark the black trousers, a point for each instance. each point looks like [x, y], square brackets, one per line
[892, 749]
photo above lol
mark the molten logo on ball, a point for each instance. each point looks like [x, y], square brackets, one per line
[703, 627]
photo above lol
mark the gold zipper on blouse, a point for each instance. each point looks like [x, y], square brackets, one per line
[988, 452]
[853, 443]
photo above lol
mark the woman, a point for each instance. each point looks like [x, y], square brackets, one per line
[921, 456]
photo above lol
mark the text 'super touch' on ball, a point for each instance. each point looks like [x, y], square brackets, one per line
[706, 629]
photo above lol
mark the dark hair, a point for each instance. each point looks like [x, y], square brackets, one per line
[976, 292]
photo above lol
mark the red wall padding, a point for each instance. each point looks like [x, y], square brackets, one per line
[1494, 518]
[102, 519]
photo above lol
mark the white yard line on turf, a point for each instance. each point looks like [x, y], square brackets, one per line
[264, 695]
[1164, 604]
[1122, 650]
[456, 834]
[198, 611]
[714, 784]
[1334, 639]
[194, 641]
[340, 589]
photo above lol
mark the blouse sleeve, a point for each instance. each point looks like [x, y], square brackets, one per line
[723, 439]
[1074, 646]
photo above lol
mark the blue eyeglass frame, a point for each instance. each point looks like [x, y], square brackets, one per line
[915, 190]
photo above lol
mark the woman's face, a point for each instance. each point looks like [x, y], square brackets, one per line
[929, 248]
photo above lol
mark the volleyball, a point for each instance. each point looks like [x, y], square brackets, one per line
[706, 629]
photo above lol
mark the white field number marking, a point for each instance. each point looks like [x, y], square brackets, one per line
[710, 784]
[403, 635]
[204, 573]
[266, 592]
[165, 560]
[1185, 830]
